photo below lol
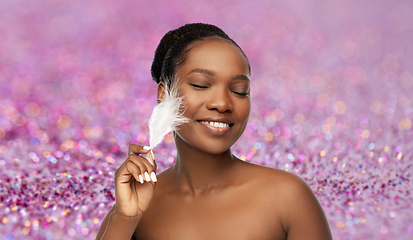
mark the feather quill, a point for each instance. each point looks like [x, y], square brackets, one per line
[166, 116]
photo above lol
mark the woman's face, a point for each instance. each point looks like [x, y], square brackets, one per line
[215, 85]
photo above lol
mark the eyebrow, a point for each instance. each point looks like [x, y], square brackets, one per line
[203, 71]
[241, 77]
[212, 73]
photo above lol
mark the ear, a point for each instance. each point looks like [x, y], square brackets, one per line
[160, 93]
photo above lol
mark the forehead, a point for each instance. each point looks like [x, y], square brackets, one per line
[216, 54]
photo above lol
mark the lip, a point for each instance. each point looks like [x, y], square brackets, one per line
[214, 130]
[223, 120]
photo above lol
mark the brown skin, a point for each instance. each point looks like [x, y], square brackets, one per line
[209, 193]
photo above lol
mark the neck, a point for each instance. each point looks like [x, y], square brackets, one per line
[198, 172]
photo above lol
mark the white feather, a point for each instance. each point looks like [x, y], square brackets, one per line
[166, 116]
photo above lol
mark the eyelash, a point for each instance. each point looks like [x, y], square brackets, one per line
[204, 87]
[241, 94]
[199, 86]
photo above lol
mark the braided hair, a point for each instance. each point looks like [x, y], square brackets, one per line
[175, 44]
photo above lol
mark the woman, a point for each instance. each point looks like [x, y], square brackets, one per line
[209, 193]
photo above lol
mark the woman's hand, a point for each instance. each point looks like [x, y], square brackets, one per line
[135, 181]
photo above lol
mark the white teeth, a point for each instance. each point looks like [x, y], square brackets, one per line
[216, 124]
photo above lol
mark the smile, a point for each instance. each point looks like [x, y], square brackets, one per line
[216, 124]
[216, 127]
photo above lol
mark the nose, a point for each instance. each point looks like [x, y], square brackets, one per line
[221, 101]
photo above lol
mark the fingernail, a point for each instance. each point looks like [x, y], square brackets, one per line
[147, 178]
[146, 148]
[153, 176]
[140, 178]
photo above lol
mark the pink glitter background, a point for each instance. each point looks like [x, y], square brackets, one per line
[332, 96]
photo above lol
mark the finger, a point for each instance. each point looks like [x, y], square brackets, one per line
[150, 158]
[124, 172]
[147, 169]
[121, 167]
[129, 171]
[133, 171]
[135, 149]
[138, 149]
[151, 166]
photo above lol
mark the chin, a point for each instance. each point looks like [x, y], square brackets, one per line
[213, 147]
[215, 150]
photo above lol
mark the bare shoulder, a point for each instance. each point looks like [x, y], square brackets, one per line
[281, 186]
[292, 201]
[277, 181]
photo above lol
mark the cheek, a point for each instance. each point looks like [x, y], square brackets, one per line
[245, 116]
[192, 104]
[245, 110]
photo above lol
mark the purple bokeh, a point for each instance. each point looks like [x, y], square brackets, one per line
[332, 95]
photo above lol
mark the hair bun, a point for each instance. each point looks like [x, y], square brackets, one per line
[170, 50]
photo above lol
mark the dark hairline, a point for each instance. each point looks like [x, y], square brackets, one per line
[190, 46]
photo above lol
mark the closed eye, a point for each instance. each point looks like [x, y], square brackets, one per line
[241, 93]
[199, 86]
